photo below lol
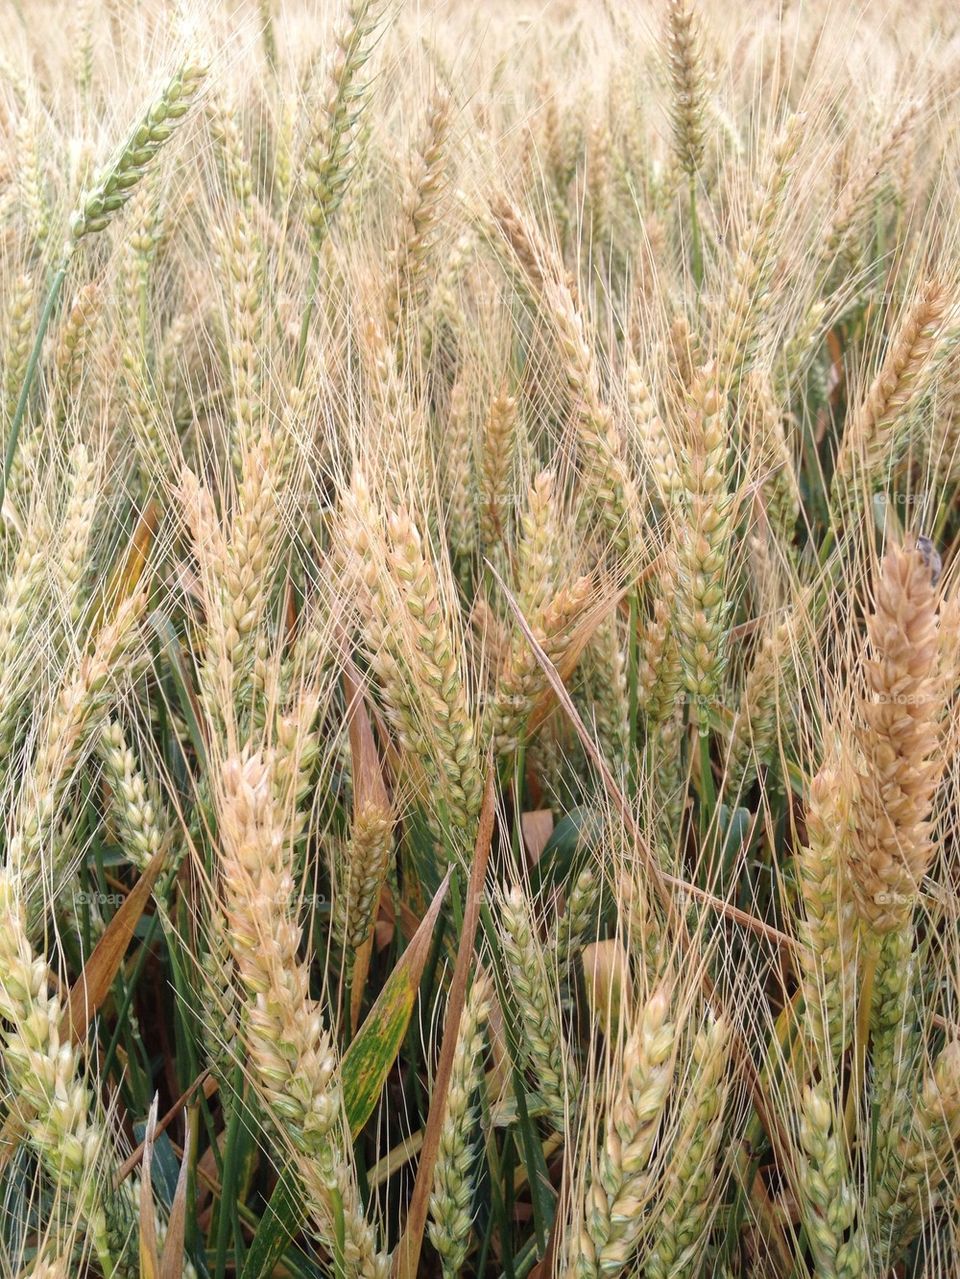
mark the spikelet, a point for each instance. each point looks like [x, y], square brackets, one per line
[450, 1201]
[619, 1187]
[899, 743]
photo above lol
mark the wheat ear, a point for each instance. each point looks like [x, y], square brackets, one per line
[113, 188]
[619, 1187]
[753, 735]
[521, 680]
[541, 1047]
[287, 1044]
[69, 731]
[450, 1201]
[420, 215]
[701, 595]
[683, 1225]
[874, 434]
[334, 116]
[499, 443]
[899, 741]
[925, 1152]
[830, 922]
[827, 1196]
[687, 82]
[42, 1073]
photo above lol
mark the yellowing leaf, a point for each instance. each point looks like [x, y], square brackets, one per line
[368, 1060]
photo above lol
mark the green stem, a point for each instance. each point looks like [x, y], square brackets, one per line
[308, 310]
[339, 1235]
[633, 687]
[231, 1166]
[861, 1036]
[31, 370]
[696, 244]
[708, 795]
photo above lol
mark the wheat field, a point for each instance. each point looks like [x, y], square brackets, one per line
[479, 639]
